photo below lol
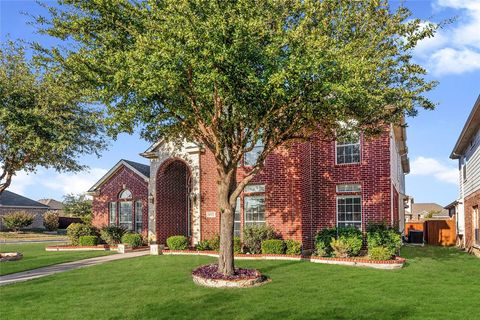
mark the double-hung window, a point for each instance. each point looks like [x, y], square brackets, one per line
[138, 217]
[348, 149]
[125, 210]
[112, 213]
[254, 208]
[349, 211]
[237, 220]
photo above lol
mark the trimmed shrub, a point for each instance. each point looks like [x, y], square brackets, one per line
[177, 243]
[50, 220]
[379, 253]
[132, 239]
[88, 240]
[17, 220]
[254, 236]
[76, 230]
[273, 246]
[112, 235]
[382, 235]
[214, 243]
[293, 247]
[351, 242]
[340, 247]
[202, 245]
[323, 240]
[353, 238]
[237, 245]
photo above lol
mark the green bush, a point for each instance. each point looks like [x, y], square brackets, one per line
[214, 243]
[132, 239]
[17, 220]
[50, 220]
[254, 236]
[202, 245]
[76, 230]
[273, 246]
[340, 247]
[351, 241]
[112, 235]
[237, 245]
[177, 243]
[353, 238]
[88, 240]
[382, 235]
[323, 240]
[293, 247]
[379, 253]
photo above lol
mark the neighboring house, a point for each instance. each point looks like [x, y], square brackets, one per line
[301, 189]
[421, 211]
[467, 151]
[11, 202]
[54, 205]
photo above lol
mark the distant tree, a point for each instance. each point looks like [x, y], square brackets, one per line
[43, 122]
[241, 76]
[77, 206]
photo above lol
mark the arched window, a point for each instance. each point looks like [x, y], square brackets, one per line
[125, 209]
[125, 195]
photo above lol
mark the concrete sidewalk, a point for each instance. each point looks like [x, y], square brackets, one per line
[62, 267]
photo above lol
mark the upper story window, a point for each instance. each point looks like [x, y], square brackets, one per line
[348, 149]
[125, 195]
[251, 157]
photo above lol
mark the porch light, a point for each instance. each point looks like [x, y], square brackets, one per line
[151, 198]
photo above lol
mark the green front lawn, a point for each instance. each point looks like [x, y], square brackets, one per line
[437, 283]
[35, 256]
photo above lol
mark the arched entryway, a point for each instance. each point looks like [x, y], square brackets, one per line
[173, 204]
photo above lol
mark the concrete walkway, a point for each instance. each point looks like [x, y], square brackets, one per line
[62, 267]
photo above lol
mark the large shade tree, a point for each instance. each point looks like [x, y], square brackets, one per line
[228, 74]
[44, 121]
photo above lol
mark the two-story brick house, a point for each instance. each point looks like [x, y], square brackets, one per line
[301, 189]
[466, 208]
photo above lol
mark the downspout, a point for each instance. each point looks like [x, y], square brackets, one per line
[311, 193]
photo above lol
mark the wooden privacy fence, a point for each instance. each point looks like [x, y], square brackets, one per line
[435, 232]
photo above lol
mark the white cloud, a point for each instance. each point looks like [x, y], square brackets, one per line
[455, 49]
[423, 166]
[54, 181]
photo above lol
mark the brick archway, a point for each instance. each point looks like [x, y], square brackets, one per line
[173, 205]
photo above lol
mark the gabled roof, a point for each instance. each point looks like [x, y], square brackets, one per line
[52, 203]
[426, 208]
[11, 199]
[469, 130]
[140, 169]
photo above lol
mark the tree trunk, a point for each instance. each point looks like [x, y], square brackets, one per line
[7, 180]
[226, 185]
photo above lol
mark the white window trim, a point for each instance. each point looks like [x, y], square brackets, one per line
[361, 210]
[359, 143]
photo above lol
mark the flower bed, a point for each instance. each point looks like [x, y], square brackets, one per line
[396, 263]
[10, 256]
[209, 276]
[100, 247]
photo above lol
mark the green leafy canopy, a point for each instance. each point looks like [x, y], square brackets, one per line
[43, 121]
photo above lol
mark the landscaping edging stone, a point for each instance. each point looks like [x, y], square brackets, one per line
[241, 282]
[397, 263]
[94, 248]
[10, 256]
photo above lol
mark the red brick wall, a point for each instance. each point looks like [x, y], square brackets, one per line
[110, 190]
[470, 201]
[301, 187]
[171, 200]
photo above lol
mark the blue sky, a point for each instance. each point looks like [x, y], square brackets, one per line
[452, 57]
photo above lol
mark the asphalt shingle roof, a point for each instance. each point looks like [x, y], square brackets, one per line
[142, 168]
[8, 198]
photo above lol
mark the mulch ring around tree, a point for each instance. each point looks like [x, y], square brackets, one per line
[208, 275]
[10, 256]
